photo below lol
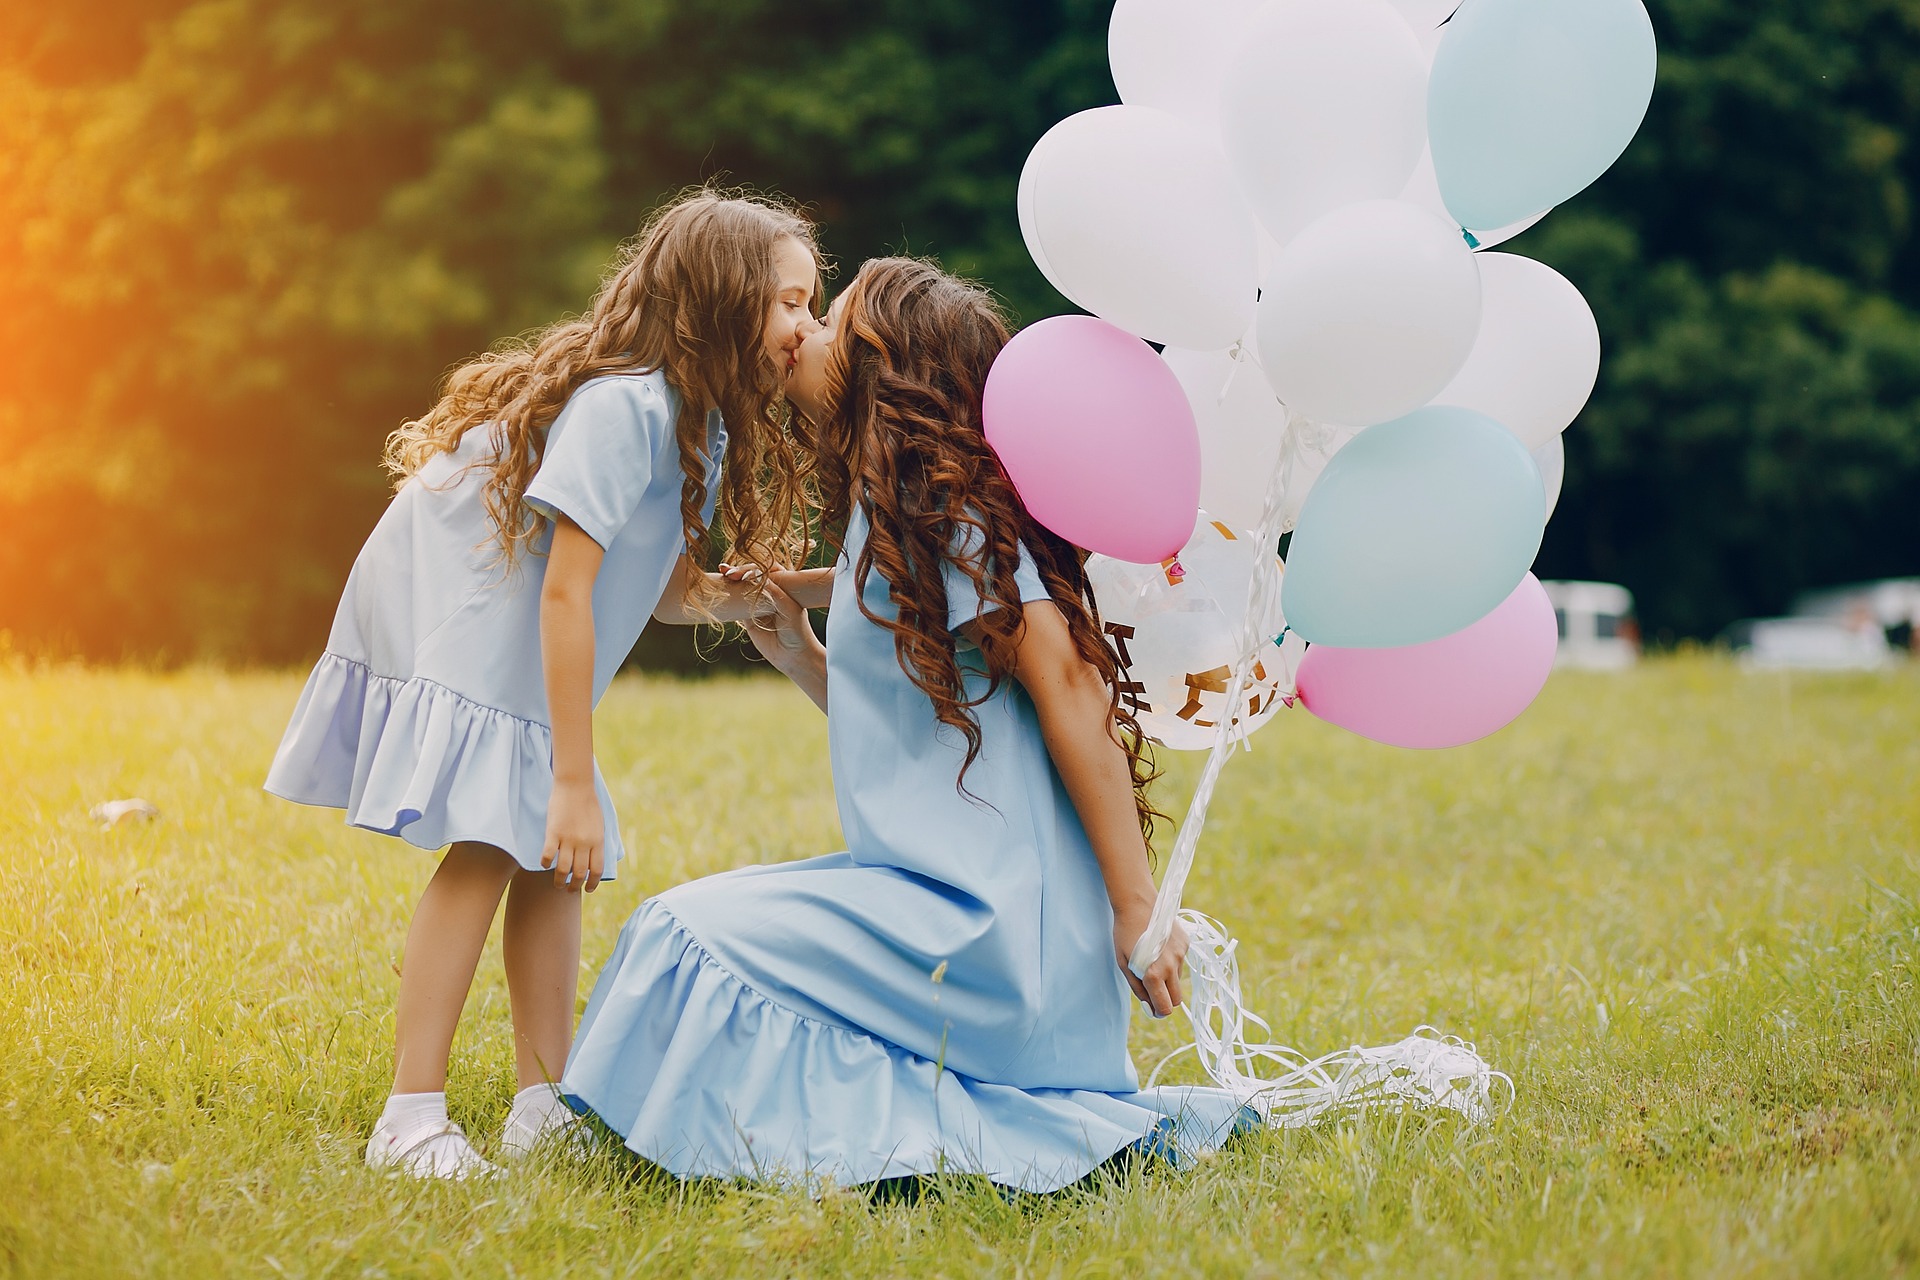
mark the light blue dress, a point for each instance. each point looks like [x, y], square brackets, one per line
[426, 717]
[941, 996]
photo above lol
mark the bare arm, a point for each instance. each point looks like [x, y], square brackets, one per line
[1076, 720]
[734, 604]
[810, 588]
[739, 591]
[576, 828]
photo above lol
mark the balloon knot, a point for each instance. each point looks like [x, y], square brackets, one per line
[1473, 241]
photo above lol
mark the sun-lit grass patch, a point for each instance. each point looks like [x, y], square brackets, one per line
[1678, 906]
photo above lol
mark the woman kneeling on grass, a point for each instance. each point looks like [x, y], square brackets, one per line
[944, 995]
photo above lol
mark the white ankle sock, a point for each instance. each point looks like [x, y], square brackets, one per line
[533, 1104]
[537, 1111]
[412, 1112]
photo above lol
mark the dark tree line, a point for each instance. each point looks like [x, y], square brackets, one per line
[241, 239]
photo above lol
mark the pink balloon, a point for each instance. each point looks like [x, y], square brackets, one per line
[1097, 436]
[1443, 693]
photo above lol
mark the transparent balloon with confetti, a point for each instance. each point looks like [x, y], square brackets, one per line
[1176, 628]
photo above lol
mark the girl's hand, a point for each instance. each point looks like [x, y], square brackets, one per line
[1160, 989]
[740, 573]
[780, 631]
[576, 834]
[813, 588]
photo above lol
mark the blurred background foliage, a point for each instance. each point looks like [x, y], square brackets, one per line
[240, 240]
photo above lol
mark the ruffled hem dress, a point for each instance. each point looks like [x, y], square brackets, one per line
[426, 717]
[942, 996]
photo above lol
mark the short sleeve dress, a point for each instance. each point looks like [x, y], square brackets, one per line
[426, 717]
[942, 995]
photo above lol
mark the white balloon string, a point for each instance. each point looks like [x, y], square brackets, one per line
[1260, 601]
[1424, 1070]
[1288, 1089]
[1289, 690]
[1237, 355]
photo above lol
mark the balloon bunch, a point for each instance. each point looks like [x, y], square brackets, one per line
[1294, 198]
[1293, 201]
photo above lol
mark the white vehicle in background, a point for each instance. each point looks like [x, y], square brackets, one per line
[1893, 605]
[1856, 628]
[1597, 628]
[1808, 644]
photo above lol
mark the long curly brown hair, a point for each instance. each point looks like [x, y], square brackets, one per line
[903, 437]
[690, 296]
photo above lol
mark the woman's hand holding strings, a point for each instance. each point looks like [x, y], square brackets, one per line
[1160, 989]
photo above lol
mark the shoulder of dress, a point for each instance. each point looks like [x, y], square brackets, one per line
[650, 386]
[640, 397]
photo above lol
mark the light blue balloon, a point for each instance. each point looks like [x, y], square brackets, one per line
[1531, 100]
[1417, 528]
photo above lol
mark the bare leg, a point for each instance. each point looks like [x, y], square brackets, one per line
[443, 948]
[542, 951]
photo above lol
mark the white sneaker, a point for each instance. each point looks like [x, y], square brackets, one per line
[527, 1127]
[437, 1151]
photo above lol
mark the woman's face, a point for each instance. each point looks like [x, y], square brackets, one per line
[791, 319]
[807, 374]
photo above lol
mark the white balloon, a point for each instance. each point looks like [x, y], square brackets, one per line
[1423, 189]
[1269, 252]
[1325, 104]
[1426, 18]
[1173, 54]
[1317, 443]
[1135, 216]
[1368, 313]
[1537, 355]
[1551, 458]
[1242, 424]
[1243, 427]
[1023, 206]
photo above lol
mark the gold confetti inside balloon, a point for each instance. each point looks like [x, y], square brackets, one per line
[1174, 627]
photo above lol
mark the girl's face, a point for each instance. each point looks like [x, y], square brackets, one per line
[791, 319]
[807, 374]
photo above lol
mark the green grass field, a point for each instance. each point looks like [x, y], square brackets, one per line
[1678, 906]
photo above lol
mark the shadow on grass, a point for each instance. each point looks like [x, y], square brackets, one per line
[600, 1154]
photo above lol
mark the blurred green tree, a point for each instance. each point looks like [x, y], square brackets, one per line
[240, 239]
[902, 123]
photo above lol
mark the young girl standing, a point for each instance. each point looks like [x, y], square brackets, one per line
[950, 993]
[550, 503]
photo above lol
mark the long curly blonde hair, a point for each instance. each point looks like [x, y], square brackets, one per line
[690, 296]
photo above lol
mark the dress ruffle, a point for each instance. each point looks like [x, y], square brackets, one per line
[414, 759]
[706, 1077]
